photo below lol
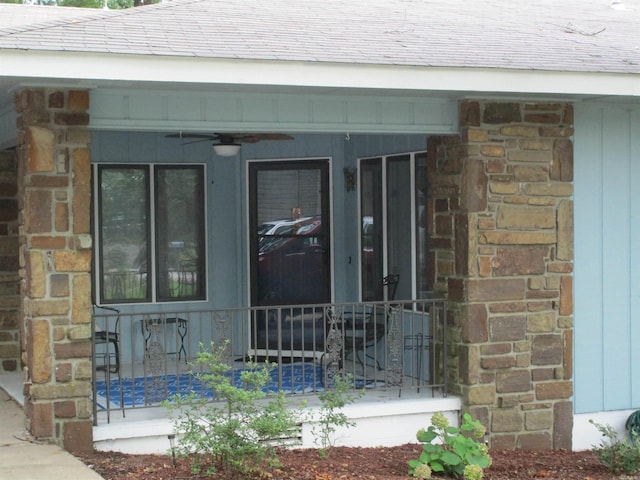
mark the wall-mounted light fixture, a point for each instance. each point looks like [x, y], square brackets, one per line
[350, 178]
[226, 149]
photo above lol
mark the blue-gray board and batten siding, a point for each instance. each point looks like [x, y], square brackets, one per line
[607, 258]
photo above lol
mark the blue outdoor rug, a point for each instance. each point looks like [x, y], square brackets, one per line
[140, 391]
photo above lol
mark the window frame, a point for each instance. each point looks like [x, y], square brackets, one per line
[151, 194]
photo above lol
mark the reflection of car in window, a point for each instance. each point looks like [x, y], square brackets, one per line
[367, 230]
[367, 244]
[269, 233]
[290, 256]
[291, 262]
[367, 233]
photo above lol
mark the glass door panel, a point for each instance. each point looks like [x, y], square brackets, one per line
[289, 232]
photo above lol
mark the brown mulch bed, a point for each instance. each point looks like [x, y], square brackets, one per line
[363, 463]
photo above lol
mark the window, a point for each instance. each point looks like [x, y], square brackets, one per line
[150, 233]
[393, 224]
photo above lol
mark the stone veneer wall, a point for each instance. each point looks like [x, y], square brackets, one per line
[502, 247]
[9, 279]
[55, 258]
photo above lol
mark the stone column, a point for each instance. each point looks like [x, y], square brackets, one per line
[55, 258]
[502, 236]
[9, 279]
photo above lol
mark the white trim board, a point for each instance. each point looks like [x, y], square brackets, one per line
[72, 66]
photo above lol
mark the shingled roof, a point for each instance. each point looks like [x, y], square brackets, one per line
[552, 35]
[17, 17]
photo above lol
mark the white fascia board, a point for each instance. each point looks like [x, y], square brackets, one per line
[81, 67]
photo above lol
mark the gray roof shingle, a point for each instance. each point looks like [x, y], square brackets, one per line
[16, 17]
[570, 35]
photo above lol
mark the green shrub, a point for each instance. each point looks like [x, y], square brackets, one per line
[238, 434]
[456, 451]
[618, 456]
[333, 400]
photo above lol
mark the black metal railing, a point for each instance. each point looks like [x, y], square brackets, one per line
[143, 358]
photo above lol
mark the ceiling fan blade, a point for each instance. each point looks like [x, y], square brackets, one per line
[203, 136]
[257, 137]
[227, 138]
[197, 141]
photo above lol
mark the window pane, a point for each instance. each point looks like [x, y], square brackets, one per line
[422, 245]
[289, 255]
[180, 233]
[124, 233]
[371, 229]
[399, 222]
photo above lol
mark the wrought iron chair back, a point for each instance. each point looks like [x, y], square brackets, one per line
[391, 283]
[364, 331]
[110, 335]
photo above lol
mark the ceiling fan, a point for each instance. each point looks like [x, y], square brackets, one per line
[228, 144]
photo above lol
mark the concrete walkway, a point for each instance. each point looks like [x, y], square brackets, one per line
[21, 458]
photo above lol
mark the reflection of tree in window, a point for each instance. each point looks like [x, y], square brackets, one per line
[179, 243]
[125, 233]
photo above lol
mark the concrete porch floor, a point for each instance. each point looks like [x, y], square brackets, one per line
[12, 384]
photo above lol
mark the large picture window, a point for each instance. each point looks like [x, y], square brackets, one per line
[150, 232]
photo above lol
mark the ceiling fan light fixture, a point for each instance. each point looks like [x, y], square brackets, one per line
[226, 149]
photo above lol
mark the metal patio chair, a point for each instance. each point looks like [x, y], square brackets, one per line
[363, 331]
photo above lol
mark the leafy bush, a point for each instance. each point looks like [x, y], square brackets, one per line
[456, 451]
[618, 456]
[240, 433]
[333, 401]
